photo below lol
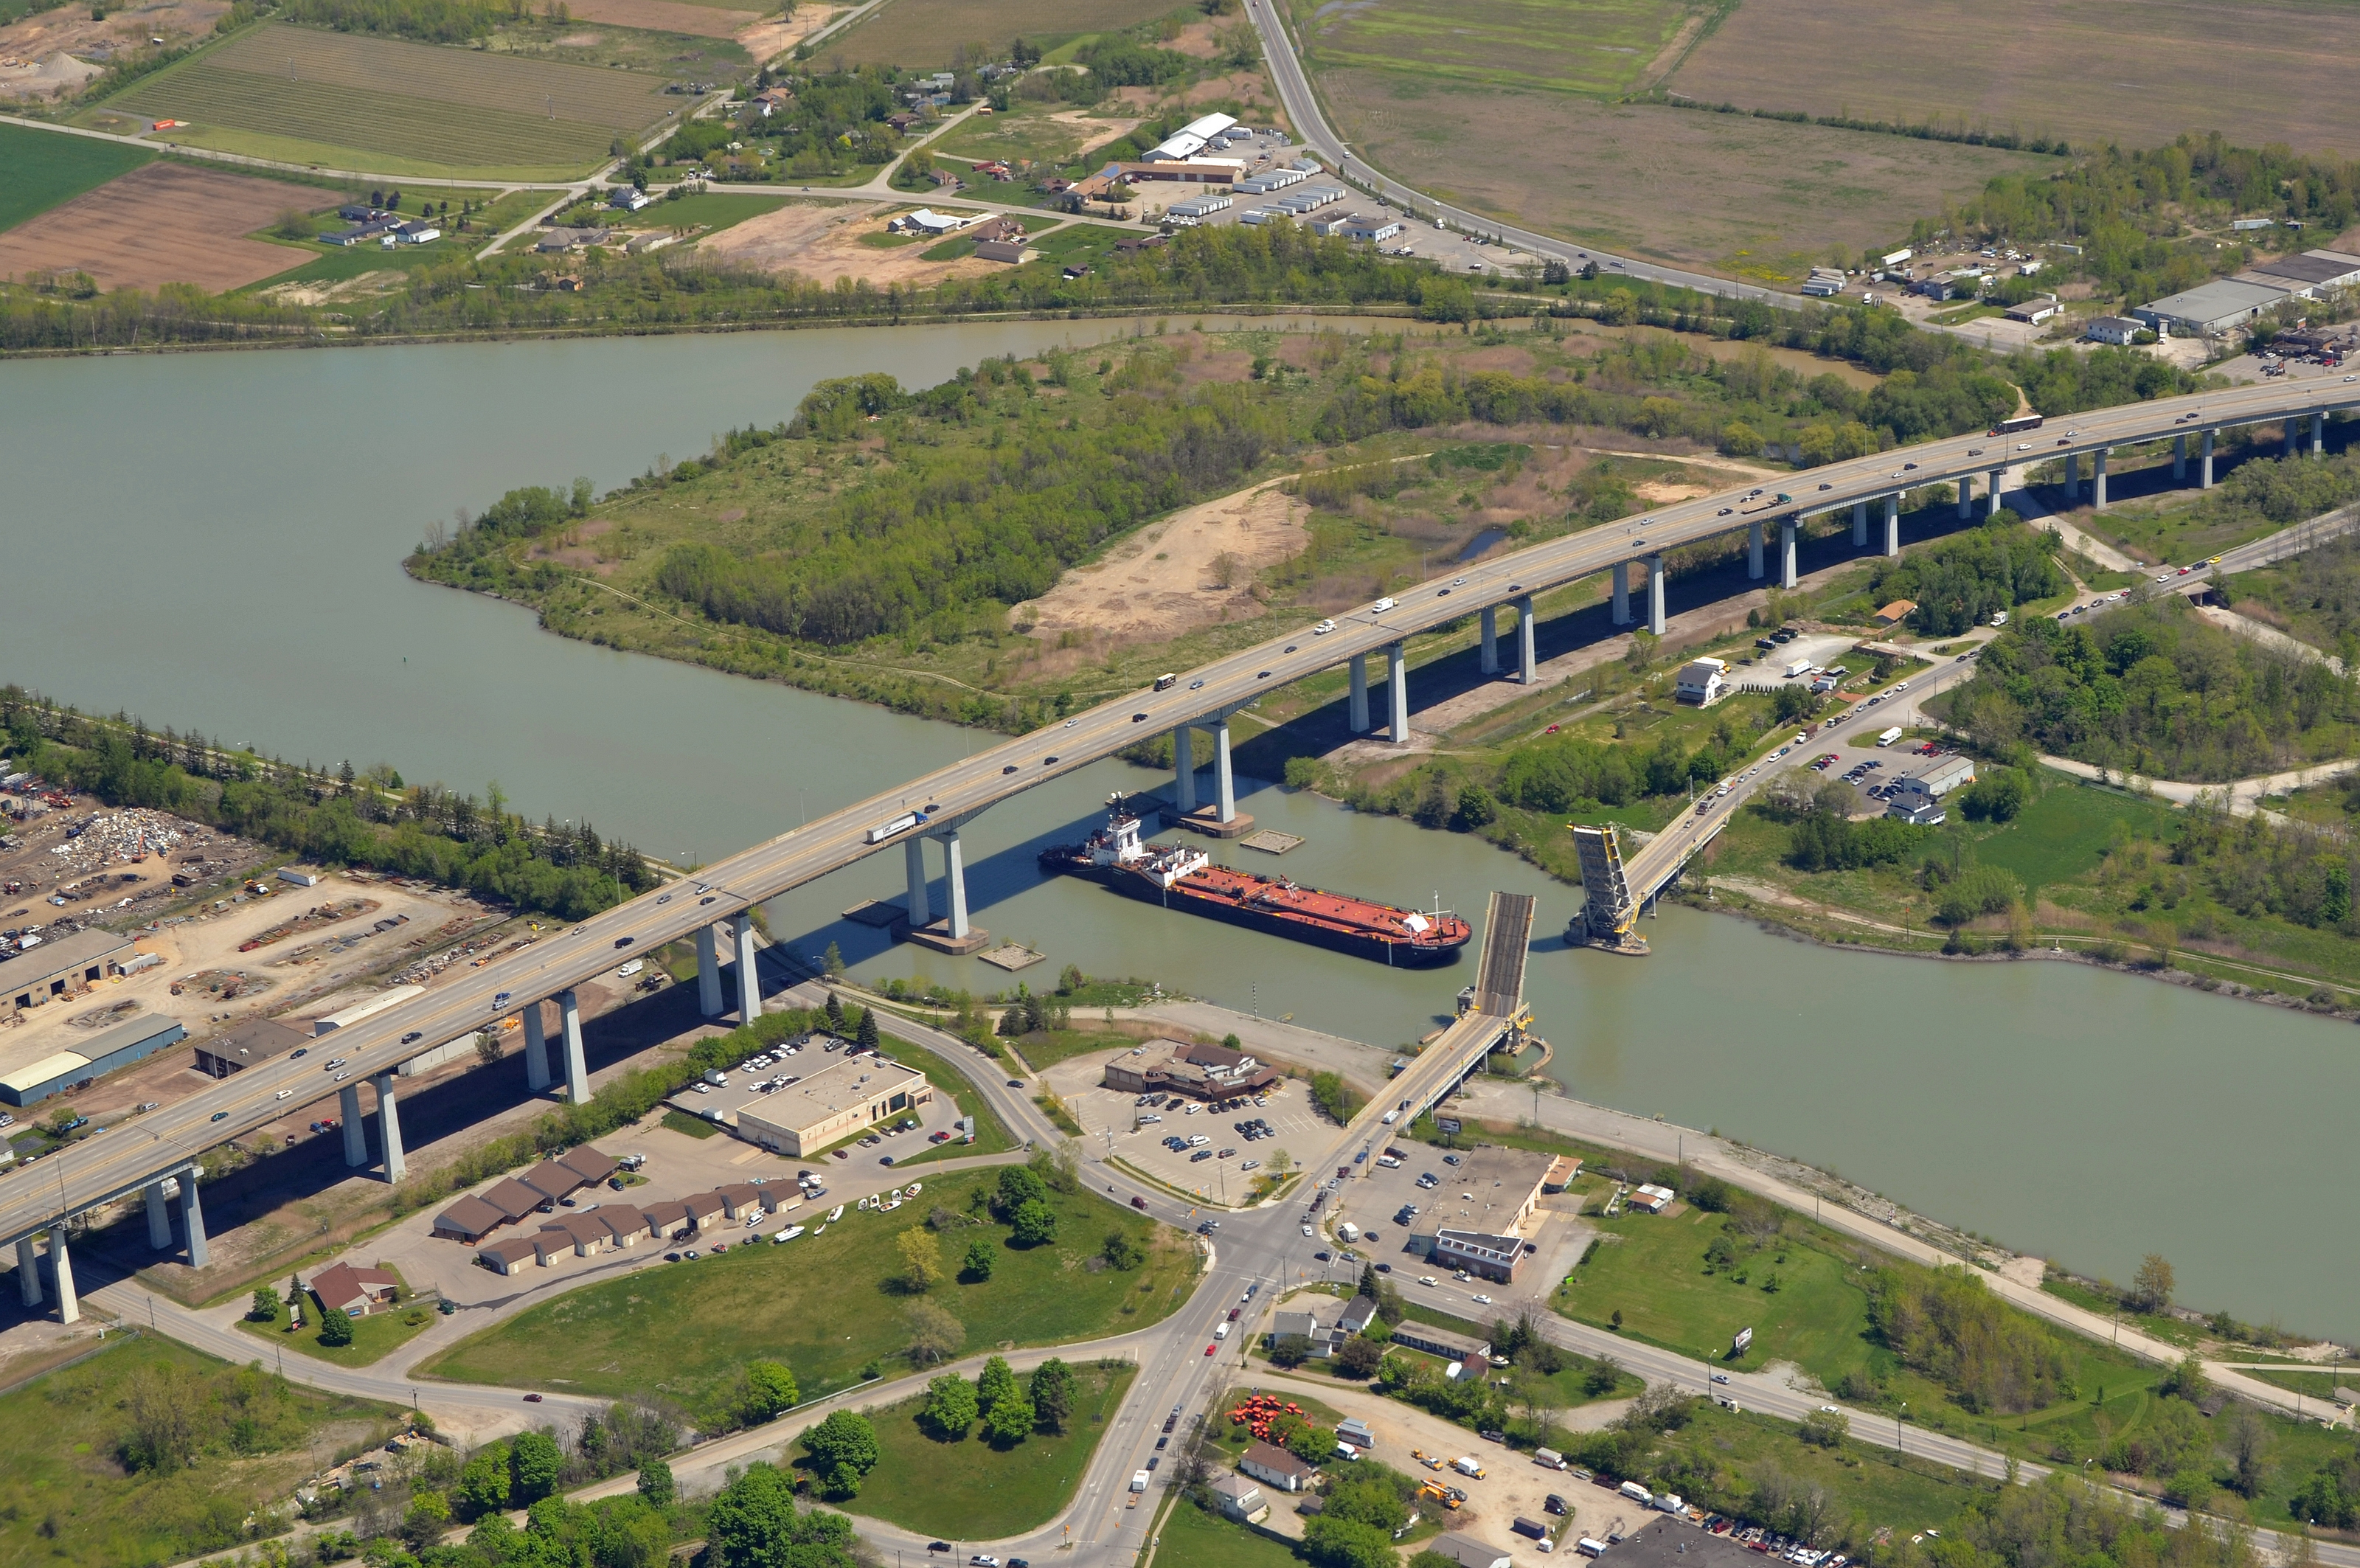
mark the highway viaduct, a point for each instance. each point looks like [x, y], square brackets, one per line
[141, 1157]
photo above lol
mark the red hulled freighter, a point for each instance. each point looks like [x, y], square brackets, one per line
[1179, 876]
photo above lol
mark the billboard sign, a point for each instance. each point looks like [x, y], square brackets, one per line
[1450, 1125]
[1745, 1340]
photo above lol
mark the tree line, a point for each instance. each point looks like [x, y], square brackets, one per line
[339, 818]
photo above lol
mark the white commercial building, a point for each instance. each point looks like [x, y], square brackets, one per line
[1702, 682]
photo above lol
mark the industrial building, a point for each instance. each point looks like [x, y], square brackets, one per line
[1495, 1257]
[126, 1043]
[1441, 1341]
[251, 1043]
[2223, 305]
[2305, 276]
[847, 1097]
[69, 964]
[1191, 139]
[2120, 331]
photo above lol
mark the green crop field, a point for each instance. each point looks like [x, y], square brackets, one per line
[827, 1306]
[969, 1488]
[923, 33]
[1600, 47]
[46, 168]
[393, 107]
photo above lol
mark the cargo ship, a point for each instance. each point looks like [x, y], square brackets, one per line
[1180, 876]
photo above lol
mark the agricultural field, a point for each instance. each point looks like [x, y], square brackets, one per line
[1034, 134]
[694, 17]
[393, 107]
[1608, 48]
[163, 222]
[924, 33]
[2090, 71]
[45, 169]
[1762, 200]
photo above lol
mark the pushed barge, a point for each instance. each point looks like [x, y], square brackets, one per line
[1180, 876]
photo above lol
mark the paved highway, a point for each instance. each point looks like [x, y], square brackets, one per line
[120, 1160]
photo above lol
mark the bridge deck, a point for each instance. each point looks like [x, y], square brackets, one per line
[1507, 937]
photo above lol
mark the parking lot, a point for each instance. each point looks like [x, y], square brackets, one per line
[1139, 1123]
[1873, 771]
[1448, 1189]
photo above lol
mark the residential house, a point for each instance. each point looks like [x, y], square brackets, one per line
[2117, 330]
[354, 1292]
[1276, 1467]
[1239, 1498]
[1897, 612]
[1701, 682]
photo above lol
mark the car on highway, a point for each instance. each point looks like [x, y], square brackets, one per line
[1071, 722]
[333, 1063]
[1426, 1279]
[1209, 1349]
[1139, 719]
[1194, 684]
[223, 1116]
[1009, 769]
[1049, 762]
[283, 1094]
[1479, 1298]
[1322, 628]
[1720, 1376]
[1830, 1410]
[1015, 1084]
[1307, 1229]
[532, 1398]
[1261, 675]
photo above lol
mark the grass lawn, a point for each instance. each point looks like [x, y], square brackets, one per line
[1869, 1486]
[1651, 1268]
[1045, 1048]
[1523, 42]
[970, 1490]
[70, 1504]
[825, 1305]
[1078, 242]
[2064, 832]
[949, 250]
[713, 209]
[374, 1337]
[46, 168]
[1200, 1539]
[991, 1135]
[681, 1121]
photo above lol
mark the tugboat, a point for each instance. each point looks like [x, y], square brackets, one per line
[1180, 876]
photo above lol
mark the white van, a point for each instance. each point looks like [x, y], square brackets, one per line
[1380, 607]
[1390, 1117]
[1589, 1548]
[1890, 736]
[1637, 1494]
[1220, 1330]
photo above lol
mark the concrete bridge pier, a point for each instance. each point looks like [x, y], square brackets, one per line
[389, 1128]
[1491, 666]
[1622, 593]
[749, 982]
[159, 1218]
[1787, 527]
[2073, 477]
[1396, 696]
[536, 1035]
[1656, 593]
[919, 906]
[2204, 480]
[1184, 768]
[1991, 504]
[1966, 497]
[2098, 479]
[348, 1109]
[577, 1071]
[2180, 458]
[1860, 525]
[708, 954]
[1753, 550]
[61, 1270]
[954, 886]
[29, 1272]
[1892, 523]
[953, 934]
[2318, 432]
[193, 1214]
[1359, 702]
[1527, 663]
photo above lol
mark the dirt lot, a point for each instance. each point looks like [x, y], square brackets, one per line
[822, 241]
[2094, 71]
[1757, 199]
[162, 223]
[36, 40]
[1165, 581]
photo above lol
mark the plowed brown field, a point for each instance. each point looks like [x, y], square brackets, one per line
[163, 222]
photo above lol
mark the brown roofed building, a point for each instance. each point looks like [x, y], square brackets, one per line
[469, 1219]
[1276, 1467]
[1203, 1072]
[509, 1253]
[513, 1198]
[666, 1218]
[625, 1225]
[705, 1207]
[550, 1180]
[354, 1292]
[593, 1165]
[739, 1199]
[586, 1233]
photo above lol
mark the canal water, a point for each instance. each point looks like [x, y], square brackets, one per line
[216, 539]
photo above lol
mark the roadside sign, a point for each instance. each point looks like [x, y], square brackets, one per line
[1447, 1124]
[1745, 1338]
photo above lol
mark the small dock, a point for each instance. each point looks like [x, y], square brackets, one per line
[1271, 841]
[1011, 957]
